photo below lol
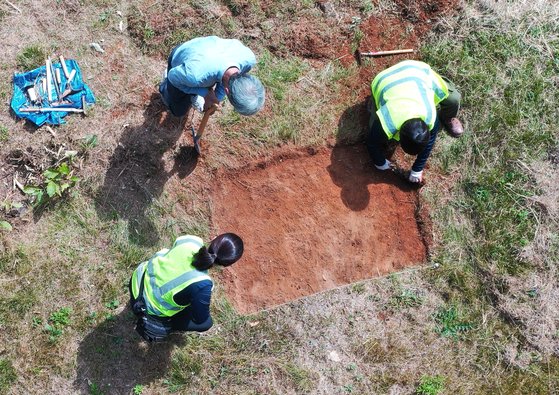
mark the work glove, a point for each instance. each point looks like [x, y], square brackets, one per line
[387, 165]
[198, 103]
[415, 176]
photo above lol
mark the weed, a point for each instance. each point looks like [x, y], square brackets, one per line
[6, 226]
[450, 322]
[138, 389]
[302, 378]
[57, 321]
[430, 385]
[358, 288]
[4, 134]
[94, 389]
[89, 142]
[406, 298]
[8, 375]
[113, 304]
[57, 180]
[31, 57]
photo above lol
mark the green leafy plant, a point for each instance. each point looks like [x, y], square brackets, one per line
[5, 225]
[450, 323]
[56, 181]
[430, 385]
[138, 389]
[57, 321]
[113, 304]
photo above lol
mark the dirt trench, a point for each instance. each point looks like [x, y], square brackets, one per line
[314, 220]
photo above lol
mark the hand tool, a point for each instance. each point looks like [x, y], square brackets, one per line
[64, 68]
[54, 82]
[197, 136]
[49, 80]
[359, 55]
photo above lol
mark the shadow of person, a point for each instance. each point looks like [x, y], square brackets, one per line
[351, 168]
[113, 358]
[137, 173]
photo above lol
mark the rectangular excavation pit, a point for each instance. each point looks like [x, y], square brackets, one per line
[312, 221]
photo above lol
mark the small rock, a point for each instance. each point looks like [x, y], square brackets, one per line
[333, 356]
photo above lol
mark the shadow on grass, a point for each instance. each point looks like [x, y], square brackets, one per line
[113, 358]
[351, 168]
[137, 170]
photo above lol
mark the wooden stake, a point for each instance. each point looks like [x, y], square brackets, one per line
[384, 53]
[64, 68]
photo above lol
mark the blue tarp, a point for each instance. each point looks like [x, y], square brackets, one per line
[24, 81]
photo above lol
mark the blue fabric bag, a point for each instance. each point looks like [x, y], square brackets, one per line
[24, 81]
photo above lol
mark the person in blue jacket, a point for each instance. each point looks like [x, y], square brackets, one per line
[203, 71]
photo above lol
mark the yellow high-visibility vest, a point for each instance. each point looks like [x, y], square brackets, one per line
[407, 90]
[167, 273]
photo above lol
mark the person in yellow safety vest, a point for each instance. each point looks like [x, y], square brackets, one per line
[409, 103]
[172, 290]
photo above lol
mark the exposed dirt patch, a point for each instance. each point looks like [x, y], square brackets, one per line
[313, 222]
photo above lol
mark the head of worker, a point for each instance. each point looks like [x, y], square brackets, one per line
[224, 250]
[414, 136]
[246, 93]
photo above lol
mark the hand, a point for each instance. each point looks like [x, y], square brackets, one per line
[387, 165]
[198, 103]
[416, 176]
[210, 99]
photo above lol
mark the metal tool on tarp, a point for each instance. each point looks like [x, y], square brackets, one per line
[196, 136]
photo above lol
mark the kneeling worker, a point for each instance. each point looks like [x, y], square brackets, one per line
[411, 102]
[172, 291]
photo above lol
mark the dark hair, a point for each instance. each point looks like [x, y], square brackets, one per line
[224, 250]
[414, 136]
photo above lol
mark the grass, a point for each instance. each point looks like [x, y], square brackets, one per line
[31, 57]
[407, 337]
[8, 375]
[430, 385]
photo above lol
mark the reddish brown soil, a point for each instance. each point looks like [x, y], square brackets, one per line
[312, 222]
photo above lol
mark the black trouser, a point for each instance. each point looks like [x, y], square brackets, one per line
[180, 321]
[178, 102]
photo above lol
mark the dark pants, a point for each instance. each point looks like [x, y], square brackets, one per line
[179, 322]
[176, 100]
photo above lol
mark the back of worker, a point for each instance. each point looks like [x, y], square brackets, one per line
[172, 291]
[203, 71]
[410, 101]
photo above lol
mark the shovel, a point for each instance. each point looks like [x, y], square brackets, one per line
[196, 136]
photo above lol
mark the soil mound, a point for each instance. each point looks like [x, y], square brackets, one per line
[312, 221]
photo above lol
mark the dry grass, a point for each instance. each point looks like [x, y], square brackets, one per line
[374, 337]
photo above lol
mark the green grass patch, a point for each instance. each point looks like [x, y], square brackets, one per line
[4, 134]
[277, 74]
[31, 57]
[430, 385]
[8, 375]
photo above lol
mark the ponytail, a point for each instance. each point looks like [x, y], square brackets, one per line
[224, 250]
[203, 260]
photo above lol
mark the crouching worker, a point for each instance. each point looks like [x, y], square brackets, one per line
[172, 291]
[409, 103]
